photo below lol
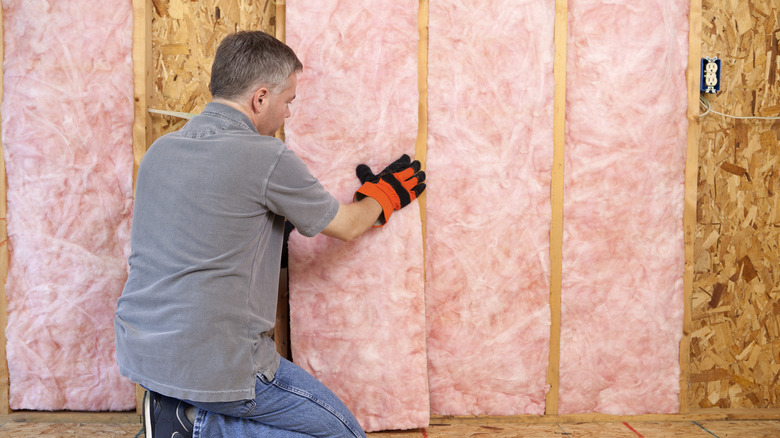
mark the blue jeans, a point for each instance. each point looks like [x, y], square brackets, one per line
[293, 404]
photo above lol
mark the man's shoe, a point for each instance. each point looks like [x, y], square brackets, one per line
[164, 417]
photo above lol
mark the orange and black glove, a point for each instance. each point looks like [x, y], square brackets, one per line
[364, 172]
[395, 187]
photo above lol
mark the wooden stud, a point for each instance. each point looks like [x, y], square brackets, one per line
[142, 86]
[142, 79]
[421, 144]
[4, 376]
[281, 20]
[689, 209]
[556, 203]
[282, 327]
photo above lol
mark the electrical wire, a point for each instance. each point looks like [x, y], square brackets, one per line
[705, 104]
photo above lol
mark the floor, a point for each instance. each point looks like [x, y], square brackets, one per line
[441, 429]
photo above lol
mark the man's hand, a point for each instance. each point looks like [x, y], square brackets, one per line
[395, 187]
[364, 172]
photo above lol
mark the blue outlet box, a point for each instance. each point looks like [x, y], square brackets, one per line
[710, 75]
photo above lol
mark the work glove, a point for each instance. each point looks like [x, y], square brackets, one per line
[395, 187]
[364, 172]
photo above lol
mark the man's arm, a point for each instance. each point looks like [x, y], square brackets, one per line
[353, 219]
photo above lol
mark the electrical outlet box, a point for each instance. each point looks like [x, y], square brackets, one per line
[710, 75]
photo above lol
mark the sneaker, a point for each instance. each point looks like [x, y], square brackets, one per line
[164, 417]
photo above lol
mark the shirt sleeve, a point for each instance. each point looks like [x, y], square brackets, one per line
[293, 192]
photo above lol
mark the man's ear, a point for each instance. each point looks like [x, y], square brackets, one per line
[259, 98]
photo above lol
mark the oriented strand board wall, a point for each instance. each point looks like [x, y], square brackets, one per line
[735, 342]
[185, 36]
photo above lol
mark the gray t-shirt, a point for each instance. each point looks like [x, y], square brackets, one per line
[208, 225]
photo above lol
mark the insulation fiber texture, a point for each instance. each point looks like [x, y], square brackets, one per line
[357, 309]
[67, 115]
[490, 103]
[622, 292]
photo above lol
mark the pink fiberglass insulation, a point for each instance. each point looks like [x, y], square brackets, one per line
[357, 309]
[67, 116]
[622, 294]
[490, 104]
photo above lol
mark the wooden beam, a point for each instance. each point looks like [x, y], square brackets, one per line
[69, 417]
[282, 326]
[421, 144]
[694, 415]
[4, 377]
[281, 21]
[142, 79]
[556, 203]
[280, 32]
[689, 209]
[142, 87]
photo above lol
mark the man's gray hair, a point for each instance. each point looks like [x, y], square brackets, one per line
[247, 60]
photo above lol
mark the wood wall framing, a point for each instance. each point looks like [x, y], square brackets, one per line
[4, 402]
[730, 351]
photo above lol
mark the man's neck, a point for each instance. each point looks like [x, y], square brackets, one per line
[232, 104]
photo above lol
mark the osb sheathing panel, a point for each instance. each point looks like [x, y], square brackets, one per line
[735, 342]
[185, 36]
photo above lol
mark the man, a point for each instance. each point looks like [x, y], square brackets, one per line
[208, 225]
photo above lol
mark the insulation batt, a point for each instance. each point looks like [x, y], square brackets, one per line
[490, 103]
[622, 292]
[357, 309]
[67, 116]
